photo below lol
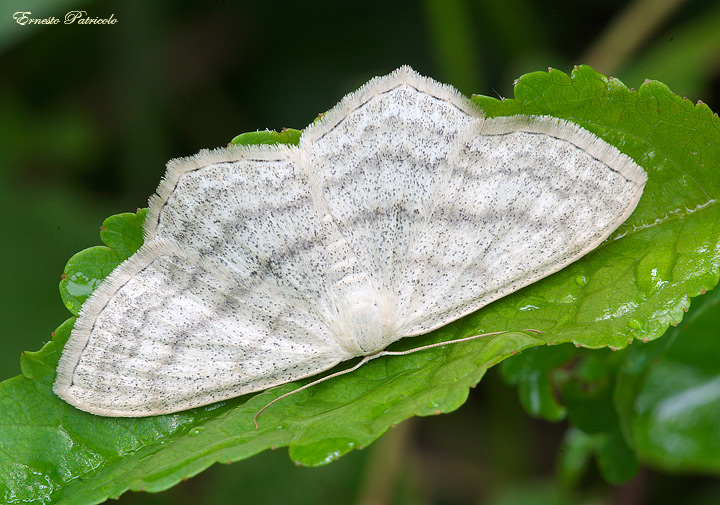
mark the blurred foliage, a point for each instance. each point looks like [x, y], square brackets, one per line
[90, 114]
[674, 417]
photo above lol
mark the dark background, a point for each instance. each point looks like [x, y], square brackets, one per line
[90, 114]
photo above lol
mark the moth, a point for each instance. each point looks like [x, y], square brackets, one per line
[400, 210]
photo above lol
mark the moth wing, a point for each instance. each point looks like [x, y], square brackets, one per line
[225, 297]
[379, 161]
[525, 197]
[449, 211]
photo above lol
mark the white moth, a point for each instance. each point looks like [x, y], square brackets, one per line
[401, 210]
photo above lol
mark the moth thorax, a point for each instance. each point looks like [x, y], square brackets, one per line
[362, 323]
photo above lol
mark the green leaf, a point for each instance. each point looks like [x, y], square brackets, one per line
[532, 372]
[287, 136]
[633, 286]
[574, 455]
[122, 235]
[588, 396]
[673, 392]
[640, 281]
[554, 381]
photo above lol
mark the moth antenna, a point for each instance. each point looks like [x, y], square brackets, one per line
[456, 341]
[313, 383]
[384, 353]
